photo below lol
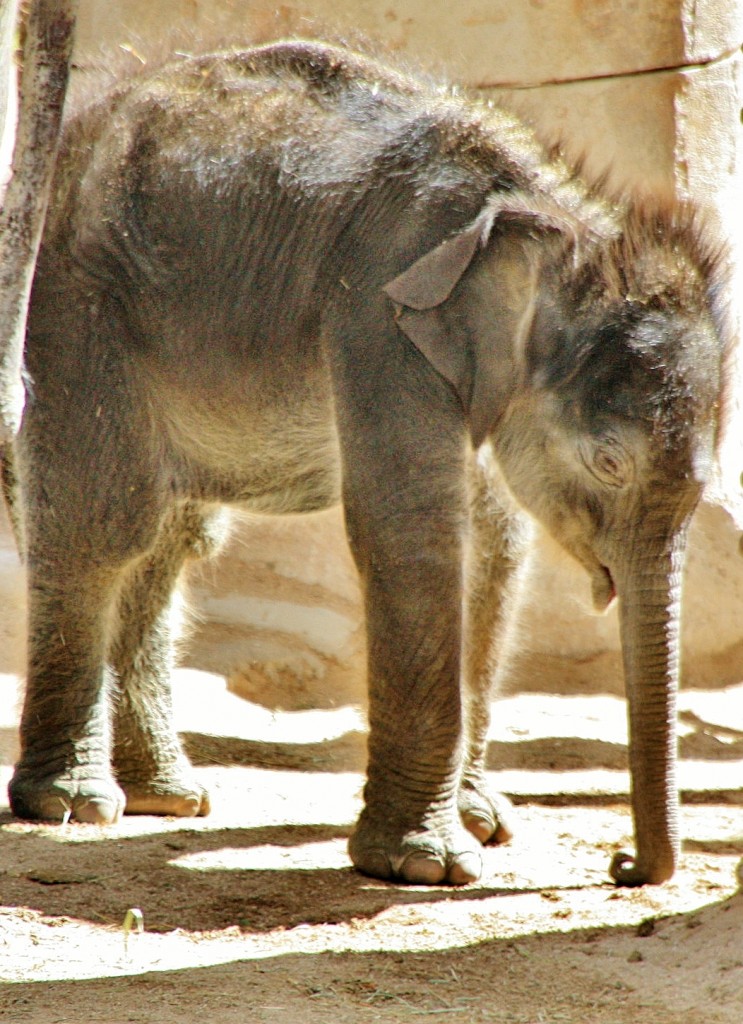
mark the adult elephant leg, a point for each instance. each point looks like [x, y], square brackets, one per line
[151, 766]
[500, 541]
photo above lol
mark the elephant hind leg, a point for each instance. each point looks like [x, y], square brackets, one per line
[64, 770]
[150, 764]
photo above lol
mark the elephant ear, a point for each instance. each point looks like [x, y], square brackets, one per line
[425, 286]
[499, 318]
[431, 279]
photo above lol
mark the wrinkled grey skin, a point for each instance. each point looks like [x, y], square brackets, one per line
[289, 277]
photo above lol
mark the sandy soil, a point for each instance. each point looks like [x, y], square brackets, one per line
[254, 914]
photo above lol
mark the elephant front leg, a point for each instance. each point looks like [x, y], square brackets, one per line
[410, 828]
[404, 445]
[501, 538]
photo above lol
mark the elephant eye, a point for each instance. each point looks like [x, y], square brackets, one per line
[608, 460]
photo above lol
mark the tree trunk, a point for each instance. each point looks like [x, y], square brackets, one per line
[47, 46]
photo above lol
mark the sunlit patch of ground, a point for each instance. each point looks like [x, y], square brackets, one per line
[265, 881]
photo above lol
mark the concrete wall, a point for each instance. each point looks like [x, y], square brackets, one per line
[648, 89]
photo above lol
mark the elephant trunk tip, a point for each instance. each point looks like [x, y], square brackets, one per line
[630, 872]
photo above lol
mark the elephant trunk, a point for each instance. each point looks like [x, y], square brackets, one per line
[648, 582]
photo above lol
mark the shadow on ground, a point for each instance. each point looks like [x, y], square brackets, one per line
[104, 877]
[617, 976]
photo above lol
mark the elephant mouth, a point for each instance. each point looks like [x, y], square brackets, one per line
[603, 590]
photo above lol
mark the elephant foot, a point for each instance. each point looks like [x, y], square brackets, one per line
[95, 799]
[175, 794]
[488, 816]
[428, 856]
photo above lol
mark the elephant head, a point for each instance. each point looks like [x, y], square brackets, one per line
[590, 355]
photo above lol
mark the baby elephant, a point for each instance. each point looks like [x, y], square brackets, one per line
[293, 276]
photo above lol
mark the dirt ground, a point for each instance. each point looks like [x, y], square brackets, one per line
[255, 915]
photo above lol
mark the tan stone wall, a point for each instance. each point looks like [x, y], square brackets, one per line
[594, 70]
[649, 89]
[7, 88]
